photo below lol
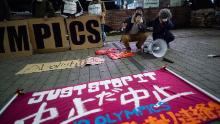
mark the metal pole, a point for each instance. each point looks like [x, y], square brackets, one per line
[6, 106]
[18, 93]
[193, 85]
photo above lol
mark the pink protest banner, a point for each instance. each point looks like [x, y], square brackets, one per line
[157, 97]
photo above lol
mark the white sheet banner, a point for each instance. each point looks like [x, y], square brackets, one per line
[70, 7]
[95, 9]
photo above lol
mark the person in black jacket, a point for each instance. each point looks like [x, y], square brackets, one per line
[162, 25]
[4, 10]
[42, 9]
[134, 29]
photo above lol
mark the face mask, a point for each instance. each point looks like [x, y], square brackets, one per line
[164, 20]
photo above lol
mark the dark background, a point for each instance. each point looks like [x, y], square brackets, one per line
[25, 5]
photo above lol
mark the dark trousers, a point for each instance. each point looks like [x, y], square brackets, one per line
[167, 36]
[103, 32]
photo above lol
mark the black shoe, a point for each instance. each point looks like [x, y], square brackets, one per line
[168, 45]
[128, 49]
[138, 47]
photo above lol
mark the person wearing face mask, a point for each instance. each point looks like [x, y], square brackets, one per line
[162, 25]
[134, 29]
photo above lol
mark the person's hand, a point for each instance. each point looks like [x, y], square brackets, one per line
[123, 26]
[102, 14]
[138, 20]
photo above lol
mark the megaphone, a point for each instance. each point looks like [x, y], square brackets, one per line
[156, 47]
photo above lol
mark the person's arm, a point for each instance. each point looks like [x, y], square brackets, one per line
[124, 23]
[6, 10]
[79, 9]
[170, 23]
[149, 25]
[50, 10]
[103, 9]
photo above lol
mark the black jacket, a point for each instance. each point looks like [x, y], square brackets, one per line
[4, 10]
[41, 9]
[160, 29]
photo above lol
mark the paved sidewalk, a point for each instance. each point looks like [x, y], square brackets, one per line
[188, 52]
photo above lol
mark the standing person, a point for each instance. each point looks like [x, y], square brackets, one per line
[134, 28]
[97, 7]
[4, 10]
[42, 8]
[71, 8]
[162, 25]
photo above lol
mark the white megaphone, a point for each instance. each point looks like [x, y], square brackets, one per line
[156, 47]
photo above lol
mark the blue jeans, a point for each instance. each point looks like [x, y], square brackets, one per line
[103, 32]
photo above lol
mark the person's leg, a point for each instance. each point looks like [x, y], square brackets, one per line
[141, 38]
[168, 37]
[126, 39]
[156, 36]
[103, 32]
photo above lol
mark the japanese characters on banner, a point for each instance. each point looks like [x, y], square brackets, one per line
[84, 32]
[14, 39]
[48, 35]
[152, 97]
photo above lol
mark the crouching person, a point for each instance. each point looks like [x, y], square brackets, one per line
[134, 30]
[162, 25]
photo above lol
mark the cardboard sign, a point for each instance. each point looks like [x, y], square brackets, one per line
[157, 97]
[48, 34]
[14, 39]
[40, 67]
[85, 32]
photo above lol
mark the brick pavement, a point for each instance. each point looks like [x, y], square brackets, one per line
[189, 52]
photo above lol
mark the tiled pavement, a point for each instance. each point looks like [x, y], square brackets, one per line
[188, 52]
